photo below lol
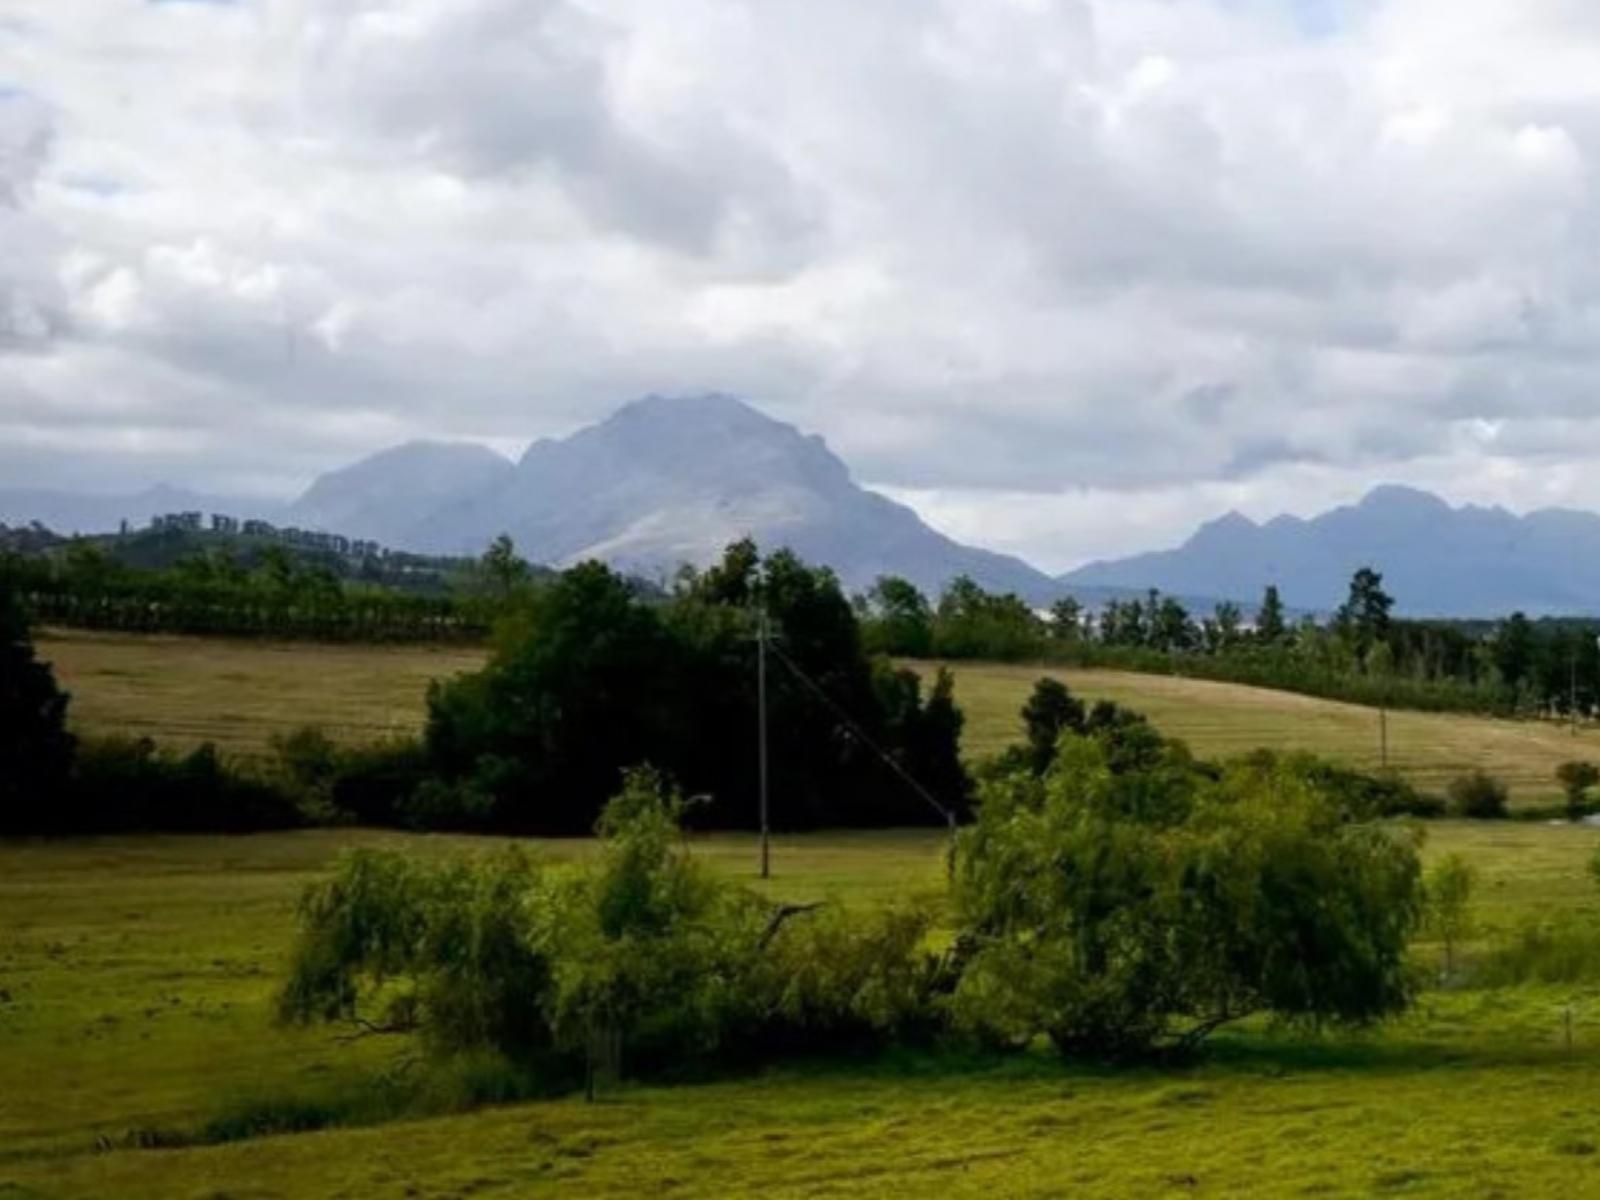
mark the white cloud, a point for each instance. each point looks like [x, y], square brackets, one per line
[1070, 274]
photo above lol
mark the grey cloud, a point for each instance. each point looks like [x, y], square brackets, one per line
[1136, 247]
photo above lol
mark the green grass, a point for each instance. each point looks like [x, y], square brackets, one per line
[138, 973]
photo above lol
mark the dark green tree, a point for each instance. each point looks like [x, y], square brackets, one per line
[1364, 616]
[35, 748]
[1050, 711]
[1270, 625]
[899, 620]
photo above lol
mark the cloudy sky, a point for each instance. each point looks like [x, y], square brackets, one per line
[1067, 275]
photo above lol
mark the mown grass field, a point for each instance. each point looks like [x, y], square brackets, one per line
[182, 691]
[136, 976]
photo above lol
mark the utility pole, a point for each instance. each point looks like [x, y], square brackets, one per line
[1383, 733]
[1572, 694]
[761, 733]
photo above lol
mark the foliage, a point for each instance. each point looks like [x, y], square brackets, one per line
[1542, 950]
[586, 678]
[643, 945]
[1119, 912]
[1477, 795]
[1576, 778]
[35, 748]
[1449, 887]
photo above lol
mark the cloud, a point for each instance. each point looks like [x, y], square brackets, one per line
[1071, 275]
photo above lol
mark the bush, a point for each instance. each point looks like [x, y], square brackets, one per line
[1547, 952]
[124, 785]
[1478, 796]
[1576, 778]
[643, 946]
[1121, 911]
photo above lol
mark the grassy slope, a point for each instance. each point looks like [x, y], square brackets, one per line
[139, 972]
[1221, 719]
[236, 693]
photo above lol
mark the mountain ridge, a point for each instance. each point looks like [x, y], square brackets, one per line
[1437, 559]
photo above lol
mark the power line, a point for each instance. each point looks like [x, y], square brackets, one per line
[861, 734]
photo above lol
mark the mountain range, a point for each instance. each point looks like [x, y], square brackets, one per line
[1436, 560]
[668, 480]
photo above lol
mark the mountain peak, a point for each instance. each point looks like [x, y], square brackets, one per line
[1397, 498]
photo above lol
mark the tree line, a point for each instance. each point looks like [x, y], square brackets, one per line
[1361, 653]
[587, 675]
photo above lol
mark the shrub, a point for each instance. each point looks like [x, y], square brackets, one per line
[128, 785]
[641, 945]
[1548, 952]
[1477, 795]
[1576, 778]
[1123, 911]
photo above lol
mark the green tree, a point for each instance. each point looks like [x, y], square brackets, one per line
[1449, 899]
[1066, 620]
[36, 751]
[1271, 627]
[899, 618]
[503, 568]
[1120, 913]
[1050, 711]
[1364, 616]
[1576, 779]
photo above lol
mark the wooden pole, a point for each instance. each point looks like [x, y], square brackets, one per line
[761, 736]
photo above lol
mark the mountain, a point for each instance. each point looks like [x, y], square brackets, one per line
[80, 512]
[667, 480]
[388, 496]
[1436, 560]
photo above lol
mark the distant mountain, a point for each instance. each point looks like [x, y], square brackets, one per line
[390, 495]
[1436, 560]
[668, 480]
[79, 512]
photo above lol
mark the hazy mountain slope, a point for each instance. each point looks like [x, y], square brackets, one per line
[667, 480]
[1436, 560]
[388, 495]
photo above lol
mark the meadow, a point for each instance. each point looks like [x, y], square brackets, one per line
[182, 691]
[136, 977]
[137, 973]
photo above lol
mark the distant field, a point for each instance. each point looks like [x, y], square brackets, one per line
[1223, 719]
[238, 693]
[136, 975]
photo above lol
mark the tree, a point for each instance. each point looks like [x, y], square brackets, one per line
[1119, 913]
[1050, 711]
[1066, 620]
[899, 618]
[1449, 915]
[1576, 779]
[1364, 616]
[501, 565]
[36, 751]
[1270, 625]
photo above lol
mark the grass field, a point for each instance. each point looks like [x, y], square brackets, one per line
[135, 977]
[236, 693]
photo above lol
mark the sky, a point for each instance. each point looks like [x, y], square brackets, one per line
[1068, 276]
